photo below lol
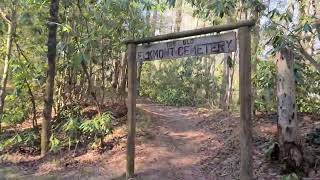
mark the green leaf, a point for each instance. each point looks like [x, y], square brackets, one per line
[307, 28]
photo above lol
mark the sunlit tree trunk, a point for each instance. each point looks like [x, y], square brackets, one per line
[213, 85]
[10, 38]
[287, 110]
[52, 52]
[226, 86]
[123, 74]
[115, 75]
[139, 71]
[154, 23]
[178, 21]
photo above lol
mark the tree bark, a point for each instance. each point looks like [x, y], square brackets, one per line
[11, 31]
[123, 75]
[226, 86]
[290, 152]
[115, 75]
[139, 71]
[178, 20]
[213, 85]
[34, 107]
[52, 52]
[225, 93]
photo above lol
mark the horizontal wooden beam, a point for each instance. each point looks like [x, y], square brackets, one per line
[194, 32]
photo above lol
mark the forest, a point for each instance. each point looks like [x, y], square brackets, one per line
[64, 108]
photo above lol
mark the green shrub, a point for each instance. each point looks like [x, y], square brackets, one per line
[72, 130]
[308, 88]
[264, 83]
[97, 128]
[175, 82]
[16, 109]
[54, 143]
[26, 138]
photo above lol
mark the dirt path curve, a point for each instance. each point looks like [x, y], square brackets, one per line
[174, 151]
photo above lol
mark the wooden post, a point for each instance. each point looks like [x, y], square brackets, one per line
[131, 104]
[245, 103]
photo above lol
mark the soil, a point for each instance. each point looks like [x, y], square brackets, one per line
[173, 143]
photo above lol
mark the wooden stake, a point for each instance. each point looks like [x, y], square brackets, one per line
[131, 104]
[245, 104]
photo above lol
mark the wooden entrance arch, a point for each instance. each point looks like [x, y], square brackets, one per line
[244, 40]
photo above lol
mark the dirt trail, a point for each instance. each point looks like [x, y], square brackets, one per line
[173, 143]
[175, 151]
[188, 143]
[173, 147]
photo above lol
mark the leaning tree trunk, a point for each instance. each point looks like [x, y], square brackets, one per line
[10, 38]
[52, 52]
[290, 152]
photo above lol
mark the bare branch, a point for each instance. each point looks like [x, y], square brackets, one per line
[5, 17]
[307, 56]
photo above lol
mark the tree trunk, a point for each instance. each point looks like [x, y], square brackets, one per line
[115, 75]
[11, 31]
[52, 52]
[213, 85]
[225, 92]
[290, 152]
[154, 22]
[226, 86]
[34, 107]
[139, 71]
[123, 75]
[178, 20]
[230, 79]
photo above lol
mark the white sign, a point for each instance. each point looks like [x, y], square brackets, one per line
[222, 43]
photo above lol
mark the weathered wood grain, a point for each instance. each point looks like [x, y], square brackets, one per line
[246, 169]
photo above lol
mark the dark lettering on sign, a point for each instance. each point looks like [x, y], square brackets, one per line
[161, 53]
[199, 50]
[222, 43]
[171, 52]
[229, 43]
[186, 50]
[180, 51]
[188, 41]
